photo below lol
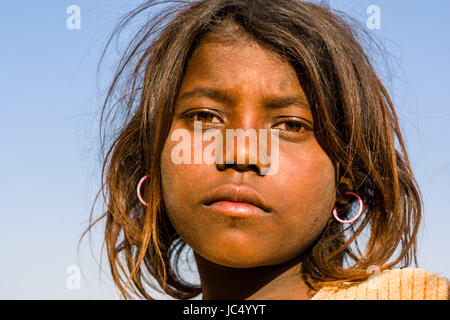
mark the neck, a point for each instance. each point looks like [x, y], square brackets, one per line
[275, 282]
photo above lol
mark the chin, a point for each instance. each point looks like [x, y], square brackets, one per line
[240, 255]
[237, 261]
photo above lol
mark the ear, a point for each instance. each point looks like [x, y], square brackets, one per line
[345, 184]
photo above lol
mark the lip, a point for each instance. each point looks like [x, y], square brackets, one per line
[236, 200]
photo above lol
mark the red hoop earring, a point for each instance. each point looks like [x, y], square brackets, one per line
[138, 190]
[356, 216]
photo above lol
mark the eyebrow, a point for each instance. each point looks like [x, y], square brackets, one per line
[272, 102]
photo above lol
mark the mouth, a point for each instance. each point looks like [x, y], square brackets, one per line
[237, 201]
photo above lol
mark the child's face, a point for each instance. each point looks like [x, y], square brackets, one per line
[300, 195]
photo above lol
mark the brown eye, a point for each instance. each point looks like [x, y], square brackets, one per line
[204, 117]
[292, 127]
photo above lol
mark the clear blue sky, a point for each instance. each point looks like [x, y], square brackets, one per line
[48, 120]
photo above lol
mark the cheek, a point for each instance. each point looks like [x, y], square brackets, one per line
[307, 203]
[180, 186]
[175, 181]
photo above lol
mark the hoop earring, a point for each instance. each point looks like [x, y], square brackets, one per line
[356, 216]
[138, 190]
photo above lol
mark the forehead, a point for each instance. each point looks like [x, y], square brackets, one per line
[241, 67]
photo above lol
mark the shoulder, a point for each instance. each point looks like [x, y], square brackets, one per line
[391, 284]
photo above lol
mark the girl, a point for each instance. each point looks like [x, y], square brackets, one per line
[342, 208]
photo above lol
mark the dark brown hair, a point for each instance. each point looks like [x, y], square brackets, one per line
[355, 124]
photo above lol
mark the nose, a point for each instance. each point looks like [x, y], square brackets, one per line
[241, 151]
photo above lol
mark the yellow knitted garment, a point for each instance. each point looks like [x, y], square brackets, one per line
[391, 284]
